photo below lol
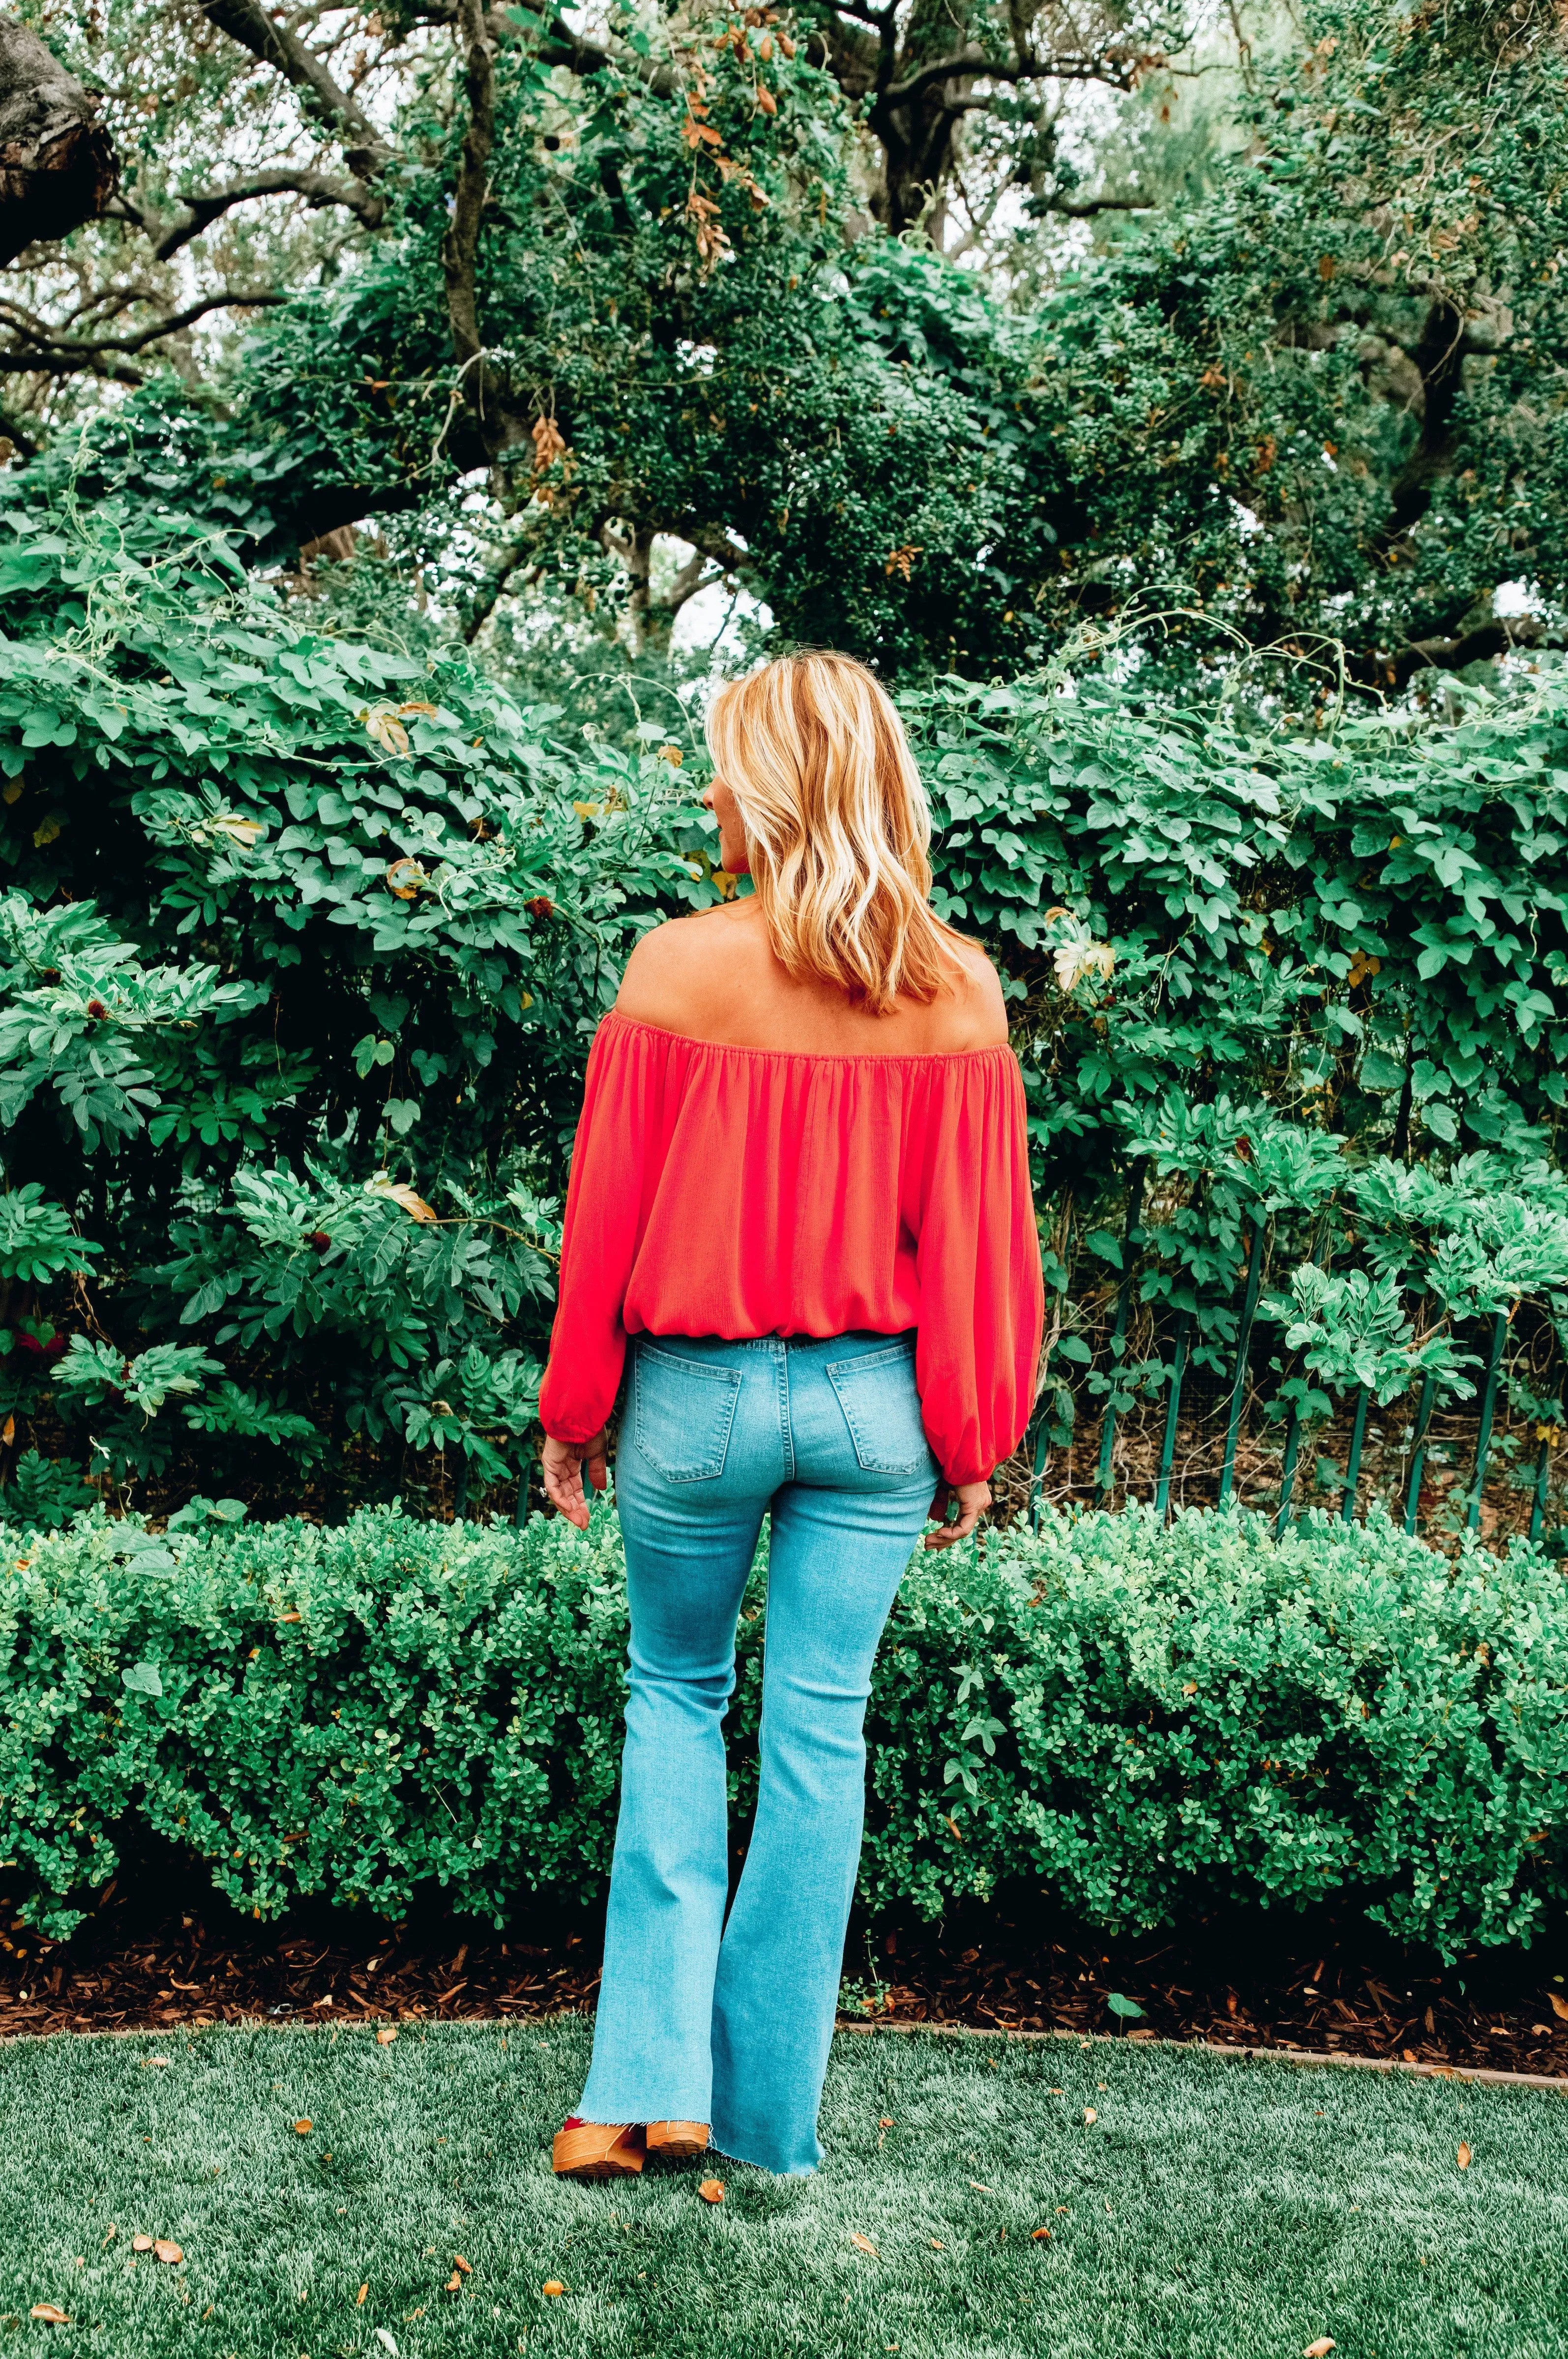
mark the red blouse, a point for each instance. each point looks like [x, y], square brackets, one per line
[728, 1191]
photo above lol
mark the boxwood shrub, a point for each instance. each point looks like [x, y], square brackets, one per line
[1142, 1720]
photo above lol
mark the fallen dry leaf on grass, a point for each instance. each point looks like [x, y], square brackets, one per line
[303, 2129]
[386, 2034]
[459, 2263]
[49, 2313]
[1463, 2157]
[1320, 2349]
[160, 2063]
[141, 2244]
[864, 2244]
[1035, 2235]
[552, 2286]
[712, 2191]
[886, 2121]
[1559, 2004]
[360, 2297]
[1090, 2116]
[167, 2250]
[455, 2282]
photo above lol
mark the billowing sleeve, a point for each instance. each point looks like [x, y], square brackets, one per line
[605, 1196]
[982, 1302]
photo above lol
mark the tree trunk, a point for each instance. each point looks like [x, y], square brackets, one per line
[57, 166]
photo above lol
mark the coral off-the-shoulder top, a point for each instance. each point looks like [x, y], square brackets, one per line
[734, 1191]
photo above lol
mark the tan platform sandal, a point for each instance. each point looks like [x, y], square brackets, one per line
[596, 2149]
[677, 2141]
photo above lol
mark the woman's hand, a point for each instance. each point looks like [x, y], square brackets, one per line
[973, 1499]
[563, 1465]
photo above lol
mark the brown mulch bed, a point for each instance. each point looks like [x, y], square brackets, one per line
[163, 1955]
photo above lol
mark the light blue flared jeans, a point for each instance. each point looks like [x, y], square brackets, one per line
[699, 2019]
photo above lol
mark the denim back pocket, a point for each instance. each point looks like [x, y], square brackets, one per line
[881, 1409]
[682, 1413]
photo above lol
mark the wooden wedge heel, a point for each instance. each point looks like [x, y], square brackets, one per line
[596, 2149]
[677, 2141]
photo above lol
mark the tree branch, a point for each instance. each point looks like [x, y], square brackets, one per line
[245, 21]
[1114, 67]
[1480, 644]
[559, 46]
[483, 390]
[1086, 208]
[46, 353]
[318, 188]
[58, 166]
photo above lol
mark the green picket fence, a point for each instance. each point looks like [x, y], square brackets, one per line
[1526, 1262]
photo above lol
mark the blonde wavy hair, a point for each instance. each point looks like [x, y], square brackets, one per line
[838, 828]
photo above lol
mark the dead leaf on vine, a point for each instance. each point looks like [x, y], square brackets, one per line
[246, 831]
[407, 1198]
[386, 730]
[548, 444]
[1073, 961]
[406, 879]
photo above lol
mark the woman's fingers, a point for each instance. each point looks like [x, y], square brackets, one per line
[561, 1468]
[973, 1499]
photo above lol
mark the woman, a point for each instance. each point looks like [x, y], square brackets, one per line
[799, 1214]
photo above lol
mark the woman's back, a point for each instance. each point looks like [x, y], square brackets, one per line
[715, 977]
[802, 1117]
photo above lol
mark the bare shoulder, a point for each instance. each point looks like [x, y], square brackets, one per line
[672, 974]
[977, 1010]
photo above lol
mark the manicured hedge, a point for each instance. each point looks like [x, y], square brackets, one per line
[1142, 1720]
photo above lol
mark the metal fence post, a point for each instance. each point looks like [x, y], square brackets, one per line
[1037, 1480]
[1244, 1337]
[1418, 1451]
[1103, 1481]
[1489, 1410]
[1288, 1472]
[1168, 1449]
[1543, 1468]
[1353, 1463]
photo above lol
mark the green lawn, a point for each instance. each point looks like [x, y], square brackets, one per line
[1211, 2209]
